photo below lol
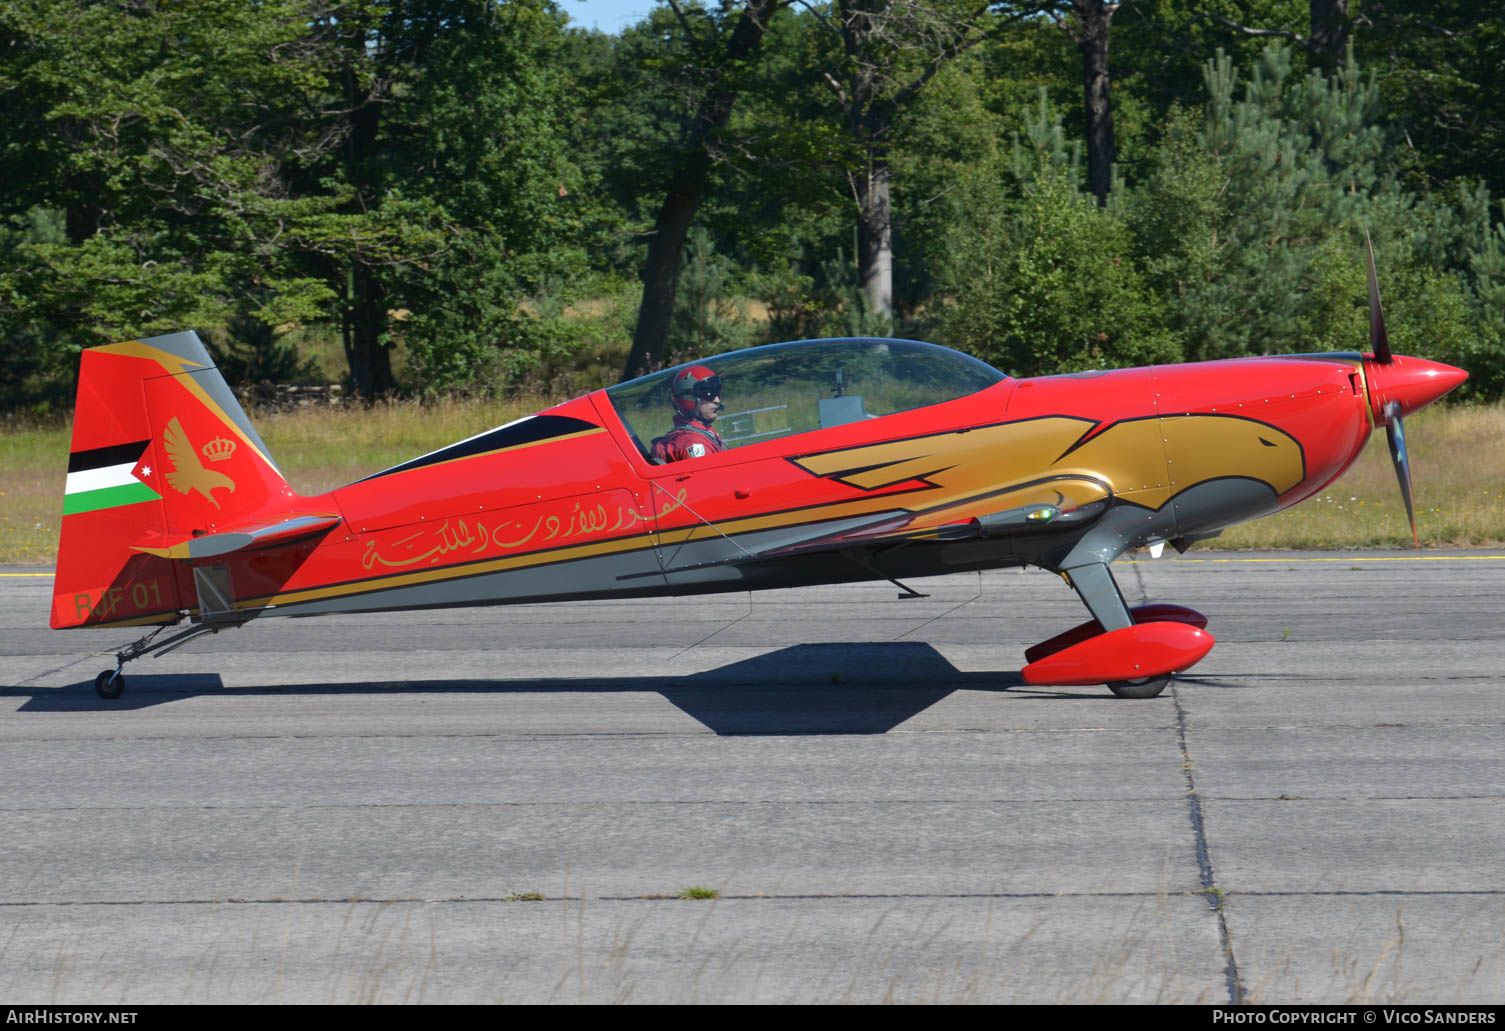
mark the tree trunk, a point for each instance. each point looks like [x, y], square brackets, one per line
[80, 223]
[1330, 32]
[1092, 40]
[875, 236]
[880, 37]
[661, 271]
[365, 318]
[365, 299]
[865, 29]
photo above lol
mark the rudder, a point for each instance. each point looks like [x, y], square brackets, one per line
[161, 452]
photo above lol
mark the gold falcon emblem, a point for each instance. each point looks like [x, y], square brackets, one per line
[188, 472]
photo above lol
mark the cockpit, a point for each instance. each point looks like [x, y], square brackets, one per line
[782, 390]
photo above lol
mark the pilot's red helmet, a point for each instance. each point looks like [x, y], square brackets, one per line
[694, 385]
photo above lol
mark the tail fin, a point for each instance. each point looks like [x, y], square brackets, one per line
[162, 454]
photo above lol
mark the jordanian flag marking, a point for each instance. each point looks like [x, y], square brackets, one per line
[106, 477]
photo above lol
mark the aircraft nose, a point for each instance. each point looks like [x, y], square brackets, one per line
[1411, 383]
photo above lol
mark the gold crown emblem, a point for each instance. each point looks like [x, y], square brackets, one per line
[218, 449]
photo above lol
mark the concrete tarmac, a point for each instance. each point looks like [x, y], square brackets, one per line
[504, 805]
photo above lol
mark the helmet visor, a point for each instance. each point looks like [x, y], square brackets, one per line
[708, 389]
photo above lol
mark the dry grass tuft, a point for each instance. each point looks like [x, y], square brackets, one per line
[1458, 478]
[323, 448]
[33, 468]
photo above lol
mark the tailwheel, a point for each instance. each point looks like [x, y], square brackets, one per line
[109, 684]
[1145, 687]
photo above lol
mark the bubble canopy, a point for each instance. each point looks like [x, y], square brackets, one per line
[786, 389]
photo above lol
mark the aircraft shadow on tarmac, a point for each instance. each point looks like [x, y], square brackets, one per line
[845, 688]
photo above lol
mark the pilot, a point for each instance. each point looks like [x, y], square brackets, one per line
[696, 396]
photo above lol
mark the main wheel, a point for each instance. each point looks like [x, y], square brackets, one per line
[109, 684]
[1149, 687]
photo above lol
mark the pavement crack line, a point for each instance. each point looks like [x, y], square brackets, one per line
[767, 897]
[636, 803]
[1215, 895]
[611, 804]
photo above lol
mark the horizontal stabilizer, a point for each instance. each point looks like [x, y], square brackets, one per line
[210, 545]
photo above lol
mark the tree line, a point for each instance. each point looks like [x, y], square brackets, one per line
[474, 196]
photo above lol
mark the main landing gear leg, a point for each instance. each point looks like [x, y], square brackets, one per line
[1098, 590]
[1095, 585]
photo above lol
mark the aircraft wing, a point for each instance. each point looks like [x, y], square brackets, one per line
[895, 527]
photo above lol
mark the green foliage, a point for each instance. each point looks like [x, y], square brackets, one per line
[147, 129]
[1251, 224]
[253, 352]
[1473, 300]
[1438, 62]
[941, 133]
[35, 352]
[828, 302]
[250, 167]
[1236, 216]
[707, 318]
[1161, 46]
[592, 321]
[1041, 279]
[474, 167]
[460, 189]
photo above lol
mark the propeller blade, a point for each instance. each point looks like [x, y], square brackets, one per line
[1379, 341]
[1395, 433]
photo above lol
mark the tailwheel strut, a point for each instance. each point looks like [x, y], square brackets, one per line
[110, 684]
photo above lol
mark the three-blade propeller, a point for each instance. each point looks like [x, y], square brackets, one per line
[1395, 432]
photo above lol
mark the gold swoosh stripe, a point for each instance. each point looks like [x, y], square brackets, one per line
[637, 542]
[384, 583]
[954, 509]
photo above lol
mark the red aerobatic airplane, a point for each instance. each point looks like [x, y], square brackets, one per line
[852, 459]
